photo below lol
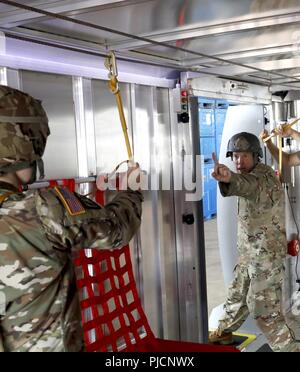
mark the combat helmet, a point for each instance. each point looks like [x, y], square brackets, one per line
[244, 142]
[23, 131]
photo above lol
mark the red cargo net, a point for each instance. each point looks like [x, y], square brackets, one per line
[112, 315]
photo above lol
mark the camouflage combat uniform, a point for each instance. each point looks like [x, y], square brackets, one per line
[262, 246]
[38, 297]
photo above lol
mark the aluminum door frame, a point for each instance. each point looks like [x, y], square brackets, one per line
[190, 243]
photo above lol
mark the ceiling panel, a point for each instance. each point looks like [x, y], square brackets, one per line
[261, 34]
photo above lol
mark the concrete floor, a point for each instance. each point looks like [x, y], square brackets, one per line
[216, 291]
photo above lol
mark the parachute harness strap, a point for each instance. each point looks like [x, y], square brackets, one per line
[111, 65]
[110, 175]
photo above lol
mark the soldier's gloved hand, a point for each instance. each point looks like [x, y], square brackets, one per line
[129, 179]
[134, 176]
[221, 172]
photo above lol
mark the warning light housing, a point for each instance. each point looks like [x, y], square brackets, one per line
[184, 117]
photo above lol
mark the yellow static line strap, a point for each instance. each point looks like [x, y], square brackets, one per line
[123, 123]
[286, 126]
[70, 201]
[111, 64]
[249, 338]
[280, 155]
[247, 342]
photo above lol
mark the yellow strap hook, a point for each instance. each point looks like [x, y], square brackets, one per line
[111, 64]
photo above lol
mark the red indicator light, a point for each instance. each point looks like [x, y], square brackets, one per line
[184, 93]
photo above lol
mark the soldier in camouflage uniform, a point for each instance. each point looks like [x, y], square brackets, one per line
[259, 273]
[39, 308]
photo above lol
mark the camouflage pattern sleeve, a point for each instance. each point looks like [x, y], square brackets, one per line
[244, 185]
[260, 185]
[100, 227]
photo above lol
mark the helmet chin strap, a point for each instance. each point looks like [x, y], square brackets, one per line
[256, 159]
[33, 175]
[36, 164]
[22, 185]
[41, 168]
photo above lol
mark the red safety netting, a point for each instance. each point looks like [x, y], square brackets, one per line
[112, 315]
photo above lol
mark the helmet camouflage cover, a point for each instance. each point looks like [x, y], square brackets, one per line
[23, 130]
[244, 142]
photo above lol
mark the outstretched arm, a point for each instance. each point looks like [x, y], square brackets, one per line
[233, 184]
[108, 227]
[289, 160]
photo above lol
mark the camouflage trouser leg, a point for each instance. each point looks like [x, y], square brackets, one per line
[236, 309]
[264, 303]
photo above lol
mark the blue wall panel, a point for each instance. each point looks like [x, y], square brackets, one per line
[212, 116]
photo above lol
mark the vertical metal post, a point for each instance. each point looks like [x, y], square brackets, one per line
[201, 288]
[10, 77]
[189, 237]
[80, 126]
[86, 151]
[14, 78]
[2, 43]
[154, 167]
[89, 126]
[81, 137]
[3, 75]
[177, 147]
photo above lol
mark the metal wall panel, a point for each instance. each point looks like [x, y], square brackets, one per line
[56, 93]
[145, 151]
[154, 249]
[14, 79]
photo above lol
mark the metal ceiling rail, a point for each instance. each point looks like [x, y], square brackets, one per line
[130, 36]
[37, 33]
[99, 53]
